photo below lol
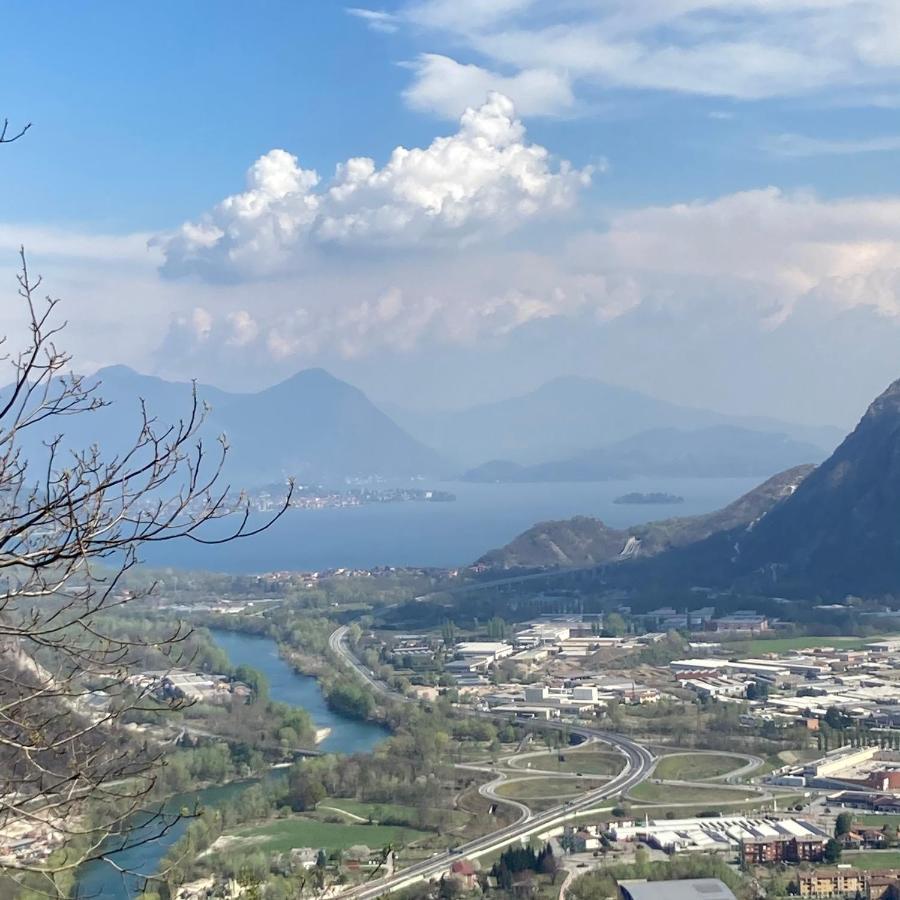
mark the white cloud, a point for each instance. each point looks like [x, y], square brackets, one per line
[444, 86]
[744, 49]
[377, 20]
[58, 243]
[482, 181]
[767, 245]
[799, 145]
[201, 323]
[462, 15]
[766, 253]
[244, 328]
[774, 262]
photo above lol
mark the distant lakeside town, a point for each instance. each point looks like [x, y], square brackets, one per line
[318, 497]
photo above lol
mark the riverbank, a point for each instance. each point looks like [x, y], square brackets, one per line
[288, 684]
[100, 879]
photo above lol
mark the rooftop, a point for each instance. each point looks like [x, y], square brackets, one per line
[686, 889]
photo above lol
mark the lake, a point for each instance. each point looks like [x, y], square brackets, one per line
[484, 516]
[101, 880]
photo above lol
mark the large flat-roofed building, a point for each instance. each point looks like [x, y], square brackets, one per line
[543, 633]
[868, 767]
[757, 839]
[685, 889]
[743, 620]
[468, 666]
[489, 649]
[531, 657]
[883, 803]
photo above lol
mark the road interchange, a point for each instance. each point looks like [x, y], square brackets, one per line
[639, 763]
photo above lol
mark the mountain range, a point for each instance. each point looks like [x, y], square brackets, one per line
[829, 530]
[717, 451]
[311, 426]
[320, 429]
[573, 415]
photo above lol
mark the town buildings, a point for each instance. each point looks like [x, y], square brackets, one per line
[845, 881]
[757, 839]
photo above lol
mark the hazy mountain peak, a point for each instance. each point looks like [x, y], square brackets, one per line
[119, 371]
[886, 403]
[573, 414]
[312, 426]
[838, 532]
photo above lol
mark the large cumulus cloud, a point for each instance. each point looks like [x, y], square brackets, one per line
[484, 180]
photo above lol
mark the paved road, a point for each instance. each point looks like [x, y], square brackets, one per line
[639, 763]
[489, 790]
[628, 552]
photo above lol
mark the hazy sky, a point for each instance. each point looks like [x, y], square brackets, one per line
[454, 200]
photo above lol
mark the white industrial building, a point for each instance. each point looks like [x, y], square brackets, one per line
[726, 833]
[542, 633]
[492, 650]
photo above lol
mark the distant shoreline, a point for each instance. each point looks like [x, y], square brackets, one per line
[649, 499]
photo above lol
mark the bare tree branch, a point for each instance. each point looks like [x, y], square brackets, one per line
[6, 138]
[72, 524]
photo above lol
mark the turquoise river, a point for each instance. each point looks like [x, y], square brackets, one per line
[101, 880]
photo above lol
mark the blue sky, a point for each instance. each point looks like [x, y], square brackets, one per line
[718, 174]
[157, 109]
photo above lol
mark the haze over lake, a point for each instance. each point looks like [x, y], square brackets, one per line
[483, 516]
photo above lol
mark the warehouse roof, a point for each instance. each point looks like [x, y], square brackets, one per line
[686, 889]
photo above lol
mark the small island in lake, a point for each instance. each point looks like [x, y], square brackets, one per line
[652, 498]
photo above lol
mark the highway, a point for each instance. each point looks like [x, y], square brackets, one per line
[639, 763]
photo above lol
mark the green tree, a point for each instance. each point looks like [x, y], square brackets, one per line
[843, 824]
[833, 851]
[641, 862]
[305, 790]
[448, 633]
[254, 679]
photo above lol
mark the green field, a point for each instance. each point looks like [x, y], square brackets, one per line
[377, 812]
[283, 835]
[697, 766]
[878, 820]
[673, 793]
[547, 788]
[388, 813]
[589, 762]
[782, 645]
[873, 859]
